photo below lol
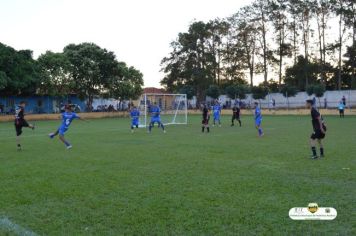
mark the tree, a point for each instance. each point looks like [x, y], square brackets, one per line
[317, 89]
[261, 14]
[322, 9]
[236, 91]
[339, 7]
[288, 91]
[244, 47]
[213, 91]
[279, 19]
[188, 90]
[55, 77]
[91, 68]
[259, 92]
[19, 72]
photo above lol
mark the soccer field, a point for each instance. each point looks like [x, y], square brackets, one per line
[228, 182]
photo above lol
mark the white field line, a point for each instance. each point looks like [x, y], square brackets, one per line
[7, 225]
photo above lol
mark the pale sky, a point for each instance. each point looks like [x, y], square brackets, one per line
[138, 31]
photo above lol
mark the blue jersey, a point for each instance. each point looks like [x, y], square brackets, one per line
[155, 112]
[67, 118]
[341, 106]
[258, 115]
[216, 110]
[135, 114]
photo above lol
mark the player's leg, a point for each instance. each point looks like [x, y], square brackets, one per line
[239, 120]
[203, 125]
[52, 135]
[321, 146]
[259, 128]
[61, 137]
[160, 124]
[232, 120]
[313, 145]
[150, 126]
[219, 120]
[18, 134]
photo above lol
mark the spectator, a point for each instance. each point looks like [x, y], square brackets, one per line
[344, 100]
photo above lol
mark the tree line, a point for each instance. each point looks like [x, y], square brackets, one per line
[294, 45]
[84, 69]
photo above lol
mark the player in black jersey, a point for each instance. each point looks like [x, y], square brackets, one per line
[20, 122]
[319, 130]
[235, 115]
[206, 118]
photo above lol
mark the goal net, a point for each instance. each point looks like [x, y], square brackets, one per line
[173, 108]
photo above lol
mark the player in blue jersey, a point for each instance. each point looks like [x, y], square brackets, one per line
[135, 115]
[341, 108]
[67, 117]
[258, 120]
[155, 113]
[20, 122]
[217, 113]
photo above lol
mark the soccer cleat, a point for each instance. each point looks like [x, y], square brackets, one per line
[322, 156]
[232, 125]
[33, 127]
[220, 126]
[51, 135]
[19, 148]
[69, 147]
[314, 157]
[132, 131]
[164, 131]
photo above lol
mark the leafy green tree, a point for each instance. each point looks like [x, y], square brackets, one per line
[259, 92]
[288, 91]
[3, 80]
[19, 72]
[213, 91]
[55, 77]
[127, 84]
[91, 69]
[191, 61]
[189, 90]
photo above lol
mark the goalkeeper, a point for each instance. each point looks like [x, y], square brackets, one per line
[155, 113]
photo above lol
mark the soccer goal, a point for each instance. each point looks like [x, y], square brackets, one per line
[174, 108]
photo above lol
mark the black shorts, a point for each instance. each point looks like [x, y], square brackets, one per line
[236, 117]
[317, 135]
[205, 121]
[341, 111]
[19, 125]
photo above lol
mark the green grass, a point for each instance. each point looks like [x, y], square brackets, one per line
[228, 182]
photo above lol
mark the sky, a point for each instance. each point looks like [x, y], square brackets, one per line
[138, 31]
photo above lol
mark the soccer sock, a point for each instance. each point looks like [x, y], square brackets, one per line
[202, 129]
[66, 143]
[239, 122]
[208, 129]
[162, 126]
[321, 151]
[149, 127]
[260, 132]
[314, 151]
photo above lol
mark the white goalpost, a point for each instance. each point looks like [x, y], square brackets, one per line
[174, 108]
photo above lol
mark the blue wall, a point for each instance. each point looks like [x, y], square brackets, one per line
[39, 104]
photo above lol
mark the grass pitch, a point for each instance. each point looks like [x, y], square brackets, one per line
[228, 182]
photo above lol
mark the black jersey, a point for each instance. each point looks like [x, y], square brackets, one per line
[205, 113]
[19, 114]
[236, 111]
[315, 119]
